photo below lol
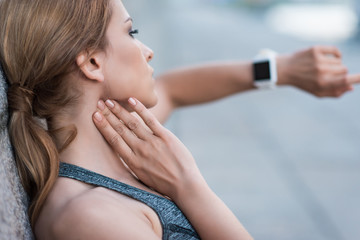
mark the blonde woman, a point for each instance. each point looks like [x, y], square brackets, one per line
[73, 63]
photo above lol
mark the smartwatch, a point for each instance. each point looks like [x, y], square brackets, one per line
[264, 69]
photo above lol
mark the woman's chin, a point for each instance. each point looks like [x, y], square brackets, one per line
[150, 100]
[148, 103]
[153, 101]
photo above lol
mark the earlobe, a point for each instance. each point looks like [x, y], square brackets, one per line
[91, 66]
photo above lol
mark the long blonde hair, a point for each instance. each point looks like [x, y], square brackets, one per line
[39, 43]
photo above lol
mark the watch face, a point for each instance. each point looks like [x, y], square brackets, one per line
[262, 71]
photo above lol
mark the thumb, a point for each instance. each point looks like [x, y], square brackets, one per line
[353, 78]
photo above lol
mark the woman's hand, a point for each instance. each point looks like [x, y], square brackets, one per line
[163, 163]
[318, 70]
[151, 151]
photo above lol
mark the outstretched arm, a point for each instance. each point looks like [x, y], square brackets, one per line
[318, 70]
[200, 84]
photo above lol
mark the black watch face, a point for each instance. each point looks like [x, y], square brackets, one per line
[262, 71]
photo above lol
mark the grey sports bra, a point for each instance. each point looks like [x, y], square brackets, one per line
[174, 223]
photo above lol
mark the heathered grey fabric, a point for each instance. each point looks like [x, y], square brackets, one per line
[14, 222]
[175, 225]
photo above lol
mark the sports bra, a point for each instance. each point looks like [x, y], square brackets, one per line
[174, 223]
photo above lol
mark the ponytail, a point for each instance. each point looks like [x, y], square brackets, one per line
[35, 152]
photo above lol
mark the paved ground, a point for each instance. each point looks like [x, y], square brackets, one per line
[286, 163]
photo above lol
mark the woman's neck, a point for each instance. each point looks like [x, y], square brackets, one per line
[89, 149]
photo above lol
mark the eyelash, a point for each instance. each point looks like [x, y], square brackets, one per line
[132, 32]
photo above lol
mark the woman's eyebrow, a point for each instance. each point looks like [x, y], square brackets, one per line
[129, 19]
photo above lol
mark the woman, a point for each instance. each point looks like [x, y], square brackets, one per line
[61, 57]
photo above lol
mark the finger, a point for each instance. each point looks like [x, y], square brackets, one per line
[330, 50]
[119, 126]
[131, 121]
[111, 136]
[148, 118]
[353, 79]
[332, 93]
[334, 82]
[339, 92]
[330, 59]
[337, 69]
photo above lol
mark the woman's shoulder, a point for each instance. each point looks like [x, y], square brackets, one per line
[75, 211]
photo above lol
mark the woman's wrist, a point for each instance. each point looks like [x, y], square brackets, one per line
[190, 185]
[282, 62]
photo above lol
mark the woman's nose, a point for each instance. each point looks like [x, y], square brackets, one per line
[151, 54]
[148, 53]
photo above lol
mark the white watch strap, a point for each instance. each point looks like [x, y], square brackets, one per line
[270, 55]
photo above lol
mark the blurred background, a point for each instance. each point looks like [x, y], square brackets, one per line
[286, 163]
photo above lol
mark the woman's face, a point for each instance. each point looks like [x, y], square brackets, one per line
[126, 69]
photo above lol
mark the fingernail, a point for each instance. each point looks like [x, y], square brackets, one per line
[101, 105]
[110, 104]
[98, 116]
[132, 101]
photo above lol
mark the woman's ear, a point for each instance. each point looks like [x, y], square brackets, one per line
[91, 65]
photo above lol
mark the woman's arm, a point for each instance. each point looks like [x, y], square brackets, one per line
[163, 163]
[200, 84]
[317, 70]
[208, 213]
